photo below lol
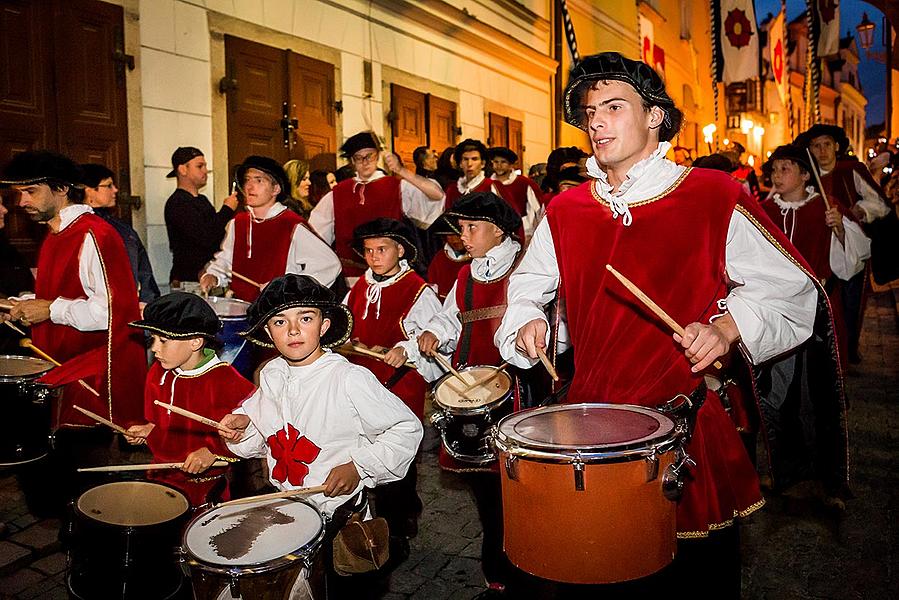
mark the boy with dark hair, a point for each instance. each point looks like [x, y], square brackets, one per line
[520, 191]
[188, 374]
[445, 265]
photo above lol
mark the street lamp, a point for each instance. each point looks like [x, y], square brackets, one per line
[865, 31]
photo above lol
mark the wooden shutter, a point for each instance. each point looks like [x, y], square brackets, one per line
[408, 111]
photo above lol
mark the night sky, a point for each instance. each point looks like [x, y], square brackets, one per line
[872, 73]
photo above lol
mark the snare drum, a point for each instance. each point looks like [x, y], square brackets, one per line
[588, 491]
[464, 420]
[252, 551]
[125, 541]
[27, 404]
[233, 315]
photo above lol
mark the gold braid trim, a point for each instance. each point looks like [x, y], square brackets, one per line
[674, 185]
[229, 459]
[688, 535]
[414, 300]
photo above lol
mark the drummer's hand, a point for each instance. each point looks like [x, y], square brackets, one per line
[396, 358]
[393, 163]
[428, 343]
[531, 336]
[198, 461]
[139, 433]
[207, 282]
[237, 423]
[706, 343]
[232, 201]
[30, 312]
[342, 480]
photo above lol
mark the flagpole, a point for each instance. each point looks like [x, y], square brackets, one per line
[785, 33]
[715, 8]
[814, 65]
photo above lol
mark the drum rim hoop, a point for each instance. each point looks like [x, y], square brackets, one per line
[474, 410]
[306, 551]
[76, 504]
[654, 444]
[28, 377]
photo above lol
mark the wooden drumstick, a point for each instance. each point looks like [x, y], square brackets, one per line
[144, 467]
[374, 354]
[655, 308]
[5, 306]
[15, 328]
[449, 367]
[814, 166]
[541, 354]
[192, 415]
[237, 275]
[318, 489]
[104, 421]
[487, 378]
[26, 343]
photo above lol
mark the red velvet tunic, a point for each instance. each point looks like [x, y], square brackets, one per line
[386, 330]
[260, 251]
[213, 393]
[516, 193]
[839, 183]
[443, 272]
[112, 361]
[675, 252]
[357, 203]
[453, 193]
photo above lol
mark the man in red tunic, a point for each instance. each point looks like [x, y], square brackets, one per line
[445, 265]
[369, 195]
[520, 191]
[848, 182]
[688, 239]
[84, 297]
[267, 240]
[391, 304]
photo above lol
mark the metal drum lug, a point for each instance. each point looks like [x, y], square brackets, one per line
[511, 467]
[652, 466]
[438, 420]
[578, 465]
[672, 480]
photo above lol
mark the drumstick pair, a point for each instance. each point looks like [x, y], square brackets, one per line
[143, 467]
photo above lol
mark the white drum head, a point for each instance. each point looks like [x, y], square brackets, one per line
[246, 535]
[488, 393]
[133, 503]
[228, 308]
[16, 368]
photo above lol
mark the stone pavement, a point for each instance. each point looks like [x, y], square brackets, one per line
[790, 551]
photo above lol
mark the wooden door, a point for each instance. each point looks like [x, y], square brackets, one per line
[409, 124]
[515, 142]
[63, 90]
[256, 102]
[441, 123]
[498, 130]
[312, 105]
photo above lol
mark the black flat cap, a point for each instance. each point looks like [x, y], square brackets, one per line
[41, 166]
[502, 152]
[469, 145]
[179, 316]
[485, 206]
[385, 228]
[442, 226]
[791, 152]
[359, 141]
[837, 133]
[267, 165]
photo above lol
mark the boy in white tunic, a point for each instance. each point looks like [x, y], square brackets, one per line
[317, 418]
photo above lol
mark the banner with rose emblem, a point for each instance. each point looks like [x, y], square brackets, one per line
[778, 56]
[738, 36]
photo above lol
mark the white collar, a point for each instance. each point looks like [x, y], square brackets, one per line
[378, 174]
[71, 212]
[465, 188]
[512, 177]
[649, 177]
[370, 280]
[455, 256]
[373, 291]
[279, 369]
[785, 206]
[498, 261]
[215, 360]
[276, 209]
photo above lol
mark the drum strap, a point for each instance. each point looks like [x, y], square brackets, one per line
[685, 407]
[397, 375]
[482, 314]
[465, 340]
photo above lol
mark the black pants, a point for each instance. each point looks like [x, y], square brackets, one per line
[398, 502]
[486, 489]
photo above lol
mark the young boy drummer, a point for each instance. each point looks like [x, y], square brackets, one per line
[189, 375]
[464, 328]
[447, 263]
[317, 418]
[391, 304]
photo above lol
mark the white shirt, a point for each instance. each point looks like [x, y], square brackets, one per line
[445, 324]
[308, 255]
[534, 210]
[415, 204]
[343, 410]
[425, 307]
[773, 303]
[847, 258]
[871, 203]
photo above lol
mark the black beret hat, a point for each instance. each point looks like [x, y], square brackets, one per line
[442, 226]
[611, 65]
[571, 176]
[389, 228]
[360, 141]
[468, 146]
[838, 134]
[179, 316]
[41, 166]
[292, 291]
[502, 152]
[791, 152]
[485, 206]
[183, 155]
[267, 165]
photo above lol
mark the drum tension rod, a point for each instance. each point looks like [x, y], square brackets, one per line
[578, 465]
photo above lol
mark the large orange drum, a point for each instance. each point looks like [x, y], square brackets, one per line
[586, 491]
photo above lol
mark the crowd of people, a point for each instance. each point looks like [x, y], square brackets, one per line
[369, 287]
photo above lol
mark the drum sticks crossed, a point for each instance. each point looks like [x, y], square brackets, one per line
[25, 342]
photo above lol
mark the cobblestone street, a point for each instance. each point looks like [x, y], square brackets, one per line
[790, 550]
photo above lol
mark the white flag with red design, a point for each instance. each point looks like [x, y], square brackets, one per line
[829, 23]
[739, 40]
[777, 56]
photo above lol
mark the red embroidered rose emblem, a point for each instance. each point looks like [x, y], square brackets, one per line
[292, 454]
[737, 28]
